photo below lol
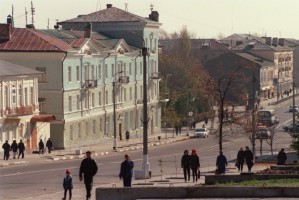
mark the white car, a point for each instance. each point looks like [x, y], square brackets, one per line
[201, 132]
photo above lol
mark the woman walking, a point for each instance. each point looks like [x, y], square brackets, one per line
[194, 160]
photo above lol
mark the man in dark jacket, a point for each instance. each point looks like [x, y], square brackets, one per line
[41, 146]
[14, 148]
[281, 157]
[221, 163]
[88, 168]
[126, 171]
[185, 163]
[49, 145]
[6, 148]
[249, 158]
[21, 148]
[240, 160]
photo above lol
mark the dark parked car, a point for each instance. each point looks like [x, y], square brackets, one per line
[294, 108]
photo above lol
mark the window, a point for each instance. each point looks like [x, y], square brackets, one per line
[100, 98]
[106, 100]
[20, 95]
[86, 72]
[155, 48]
[86, 102]
[69, 73]
[130, 69]
[79, 130]
[31, 96]
[77, 73]
[119, 68]
[94, 126]
[42, 105]
[42, 78]
[101, 124]
[130, 93]
[92, 99]
[26, 96]
[112, 70]
[125, 69]
[70, 103]
[71, 132]
[106, 71]
[99, 71]
[5, 103]
[125, 94]
[92, 72]
[13, 96]
[78, 102]
[140, 68]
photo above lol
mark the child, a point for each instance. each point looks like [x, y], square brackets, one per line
[68, 184]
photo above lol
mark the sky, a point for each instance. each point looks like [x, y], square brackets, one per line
[203, 18]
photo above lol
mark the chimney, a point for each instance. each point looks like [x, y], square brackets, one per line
[281, 41]
[275, 42]
[154, 16]
[87, 30]
[5, 31]
[9, 20]
[268, 41]
[109, 6]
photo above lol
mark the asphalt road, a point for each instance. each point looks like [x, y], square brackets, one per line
[23, 181]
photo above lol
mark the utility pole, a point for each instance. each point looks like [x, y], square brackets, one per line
[32, 13]
[253, 114]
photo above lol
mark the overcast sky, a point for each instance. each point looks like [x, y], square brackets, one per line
[205, 18]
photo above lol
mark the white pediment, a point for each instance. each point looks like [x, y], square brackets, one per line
[122, 47]
[89, 48]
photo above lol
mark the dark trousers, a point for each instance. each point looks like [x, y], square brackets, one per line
[249, 164]
[127, 182]
[21, 153]
[88, 186]
[70, 193]
[186, 170]
[6, 156]
[194, 175]
[240, 165]
[49, 149]
[41, 151]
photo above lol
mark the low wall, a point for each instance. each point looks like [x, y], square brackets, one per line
[193, 192]
[213, 179]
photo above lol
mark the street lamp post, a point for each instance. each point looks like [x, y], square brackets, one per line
[114, 111]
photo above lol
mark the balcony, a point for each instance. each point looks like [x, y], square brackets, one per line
[90, 84]
[123, 79]
[19, 111]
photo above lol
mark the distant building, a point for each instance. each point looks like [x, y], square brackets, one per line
[19, 108]
[80, 64]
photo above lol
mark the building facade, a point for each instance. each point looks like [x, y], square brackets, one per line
[79, 69]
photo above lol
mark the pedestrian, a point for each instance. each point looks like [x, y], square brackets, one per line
[221, 163]
[14, 148]
[176, 129]
[126, 171]
[206, 120]
[127, 135]
[6, 148]
[203, 126]
[41, 146]
[67, 184]
[21, 148]
[180, 128]
[281, 157]
[248, 158]
[185, 163]
[49, 145]
[240, 159]
[88, 170]
[194, 164]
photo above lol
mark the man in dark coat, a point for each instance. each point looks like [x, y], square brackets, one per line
[240, 159]
[221, 163]
[88, 169]
[126, 171]
[41, 146]
[6, 148]
[49, 145]
[249, 158]
[21, 148]
[281, 157]
[185, 163]
[194, 164]
[14, 148]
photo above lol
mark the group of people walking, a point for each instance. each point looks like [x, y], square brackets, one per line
[41, 146]
[190, 162]
[244, 156]
[14, 147]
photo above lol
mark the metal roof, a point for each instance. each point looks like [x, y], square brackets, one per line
[10, 69]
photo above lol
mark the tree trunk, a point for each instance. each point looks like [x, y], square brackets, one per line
[261, 147]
